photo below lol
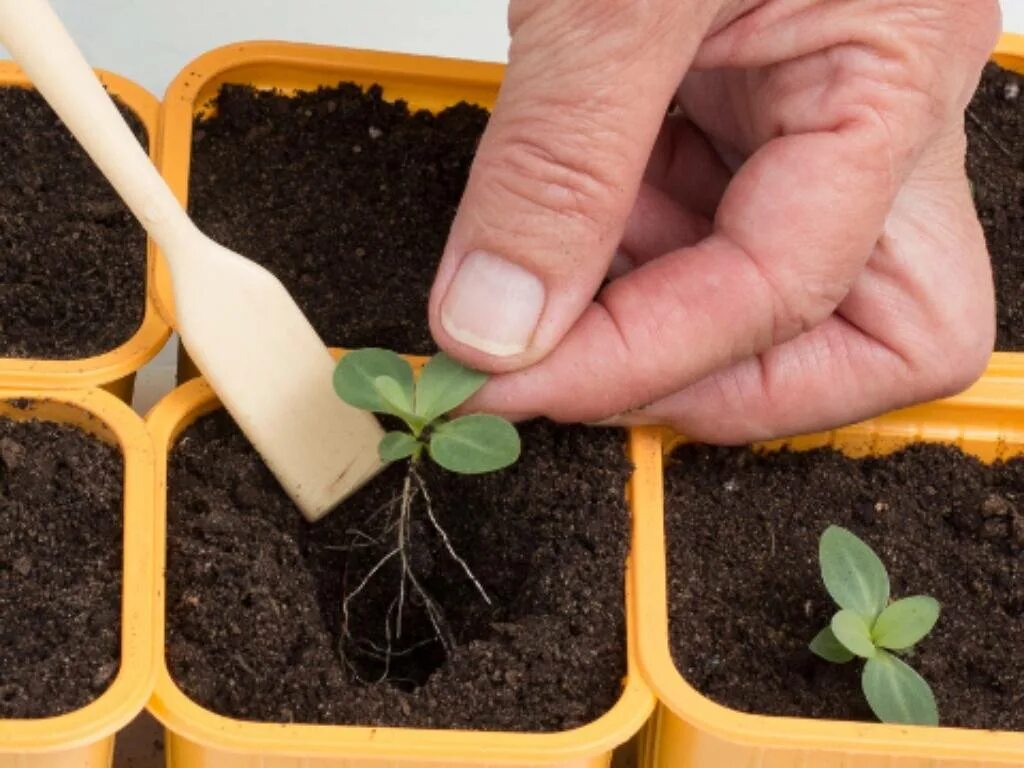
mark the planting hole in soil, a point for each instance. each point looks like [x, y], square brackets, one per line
[349, 205]
[995, 165]
[60, 568]
[72, 257]
[746, 594]
[255, 594]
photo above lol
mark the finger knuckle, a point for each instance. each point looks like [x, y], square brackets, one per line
[970, 354]
[799, 302]
[950, 44]
[960, 357]
[540, 179]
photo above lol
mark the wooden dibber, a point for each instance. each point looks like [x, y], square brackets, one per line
[239, 324]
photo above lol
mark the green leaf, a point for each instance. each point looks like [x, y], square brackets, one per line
[905, 622]
[443, 385]
[473, 444]
[395, 398]
[357, 372]
[896, 693]
[395, 446]
[852, 573]
[853, 632]
[829, 648]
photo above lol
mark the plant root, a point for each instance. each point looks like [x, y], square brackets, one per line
[410, 585]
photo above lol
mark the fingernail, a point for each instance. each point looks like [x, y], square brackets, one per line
[492, 305]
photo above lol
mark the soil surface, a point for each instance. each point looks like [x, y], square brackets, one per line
[255, 594]
[745, 588]
[995, 165]
[72, 257]
[60, 568]
[349, 203]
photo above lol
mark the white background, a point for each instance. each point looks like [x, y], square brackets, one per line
[149, 41]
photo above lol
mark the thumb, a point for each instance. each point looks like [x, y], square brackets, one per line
[557, 171]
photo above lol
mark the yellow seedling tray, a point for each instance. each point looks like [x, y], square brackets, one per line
[199, 738]
[1009, 52]
[691, 731]
[85, 738]
[113, 370]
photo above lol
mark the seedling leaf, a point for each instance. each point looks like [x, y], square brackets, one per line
[380, 381]
[476, 443]
[443, 385]
[395, 446]
[397, 401]
[896, 693]
[905, 622]
[852, 573]
[829, 648]
[853, 632]
[357, 372]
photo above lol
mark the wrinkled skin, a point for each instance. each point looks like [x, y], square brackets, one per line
[802, 246]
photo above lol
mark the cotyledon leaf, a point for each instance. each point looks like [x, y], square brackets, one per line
[853, 575]
[476, 443]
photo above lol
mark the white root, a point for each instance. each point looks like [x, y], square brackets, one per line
[444, 538]
[393, 618]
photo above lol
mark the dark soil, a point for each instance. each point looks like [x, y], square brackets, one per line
[995, 165]
[60, 568]
[255, 594]
[745, 587]
[72, 257]
[349, 203]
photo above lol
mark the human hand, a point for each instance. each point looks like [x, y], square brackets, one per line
[798, 247]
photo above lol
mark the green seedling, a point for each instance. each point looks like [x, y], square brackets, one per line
[382, 382]
[870, 627]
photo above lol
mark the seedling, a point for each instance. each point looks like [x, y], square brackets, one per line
[870, 627]
[380, 381]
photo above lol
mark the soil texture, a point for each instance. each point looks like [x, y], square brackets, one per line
[995, 165]
[349, 202]
[255, 594]
[60, 568]
[72, 257]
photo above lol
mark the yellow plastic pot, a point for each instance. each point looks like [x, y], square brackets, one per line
[691, 731]
[113, 370]
[424, 82]
[85, 738]
[199, 738]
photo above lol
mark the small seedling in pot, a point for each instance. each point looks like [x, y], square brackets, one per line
[870, 627]
[380, 381]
